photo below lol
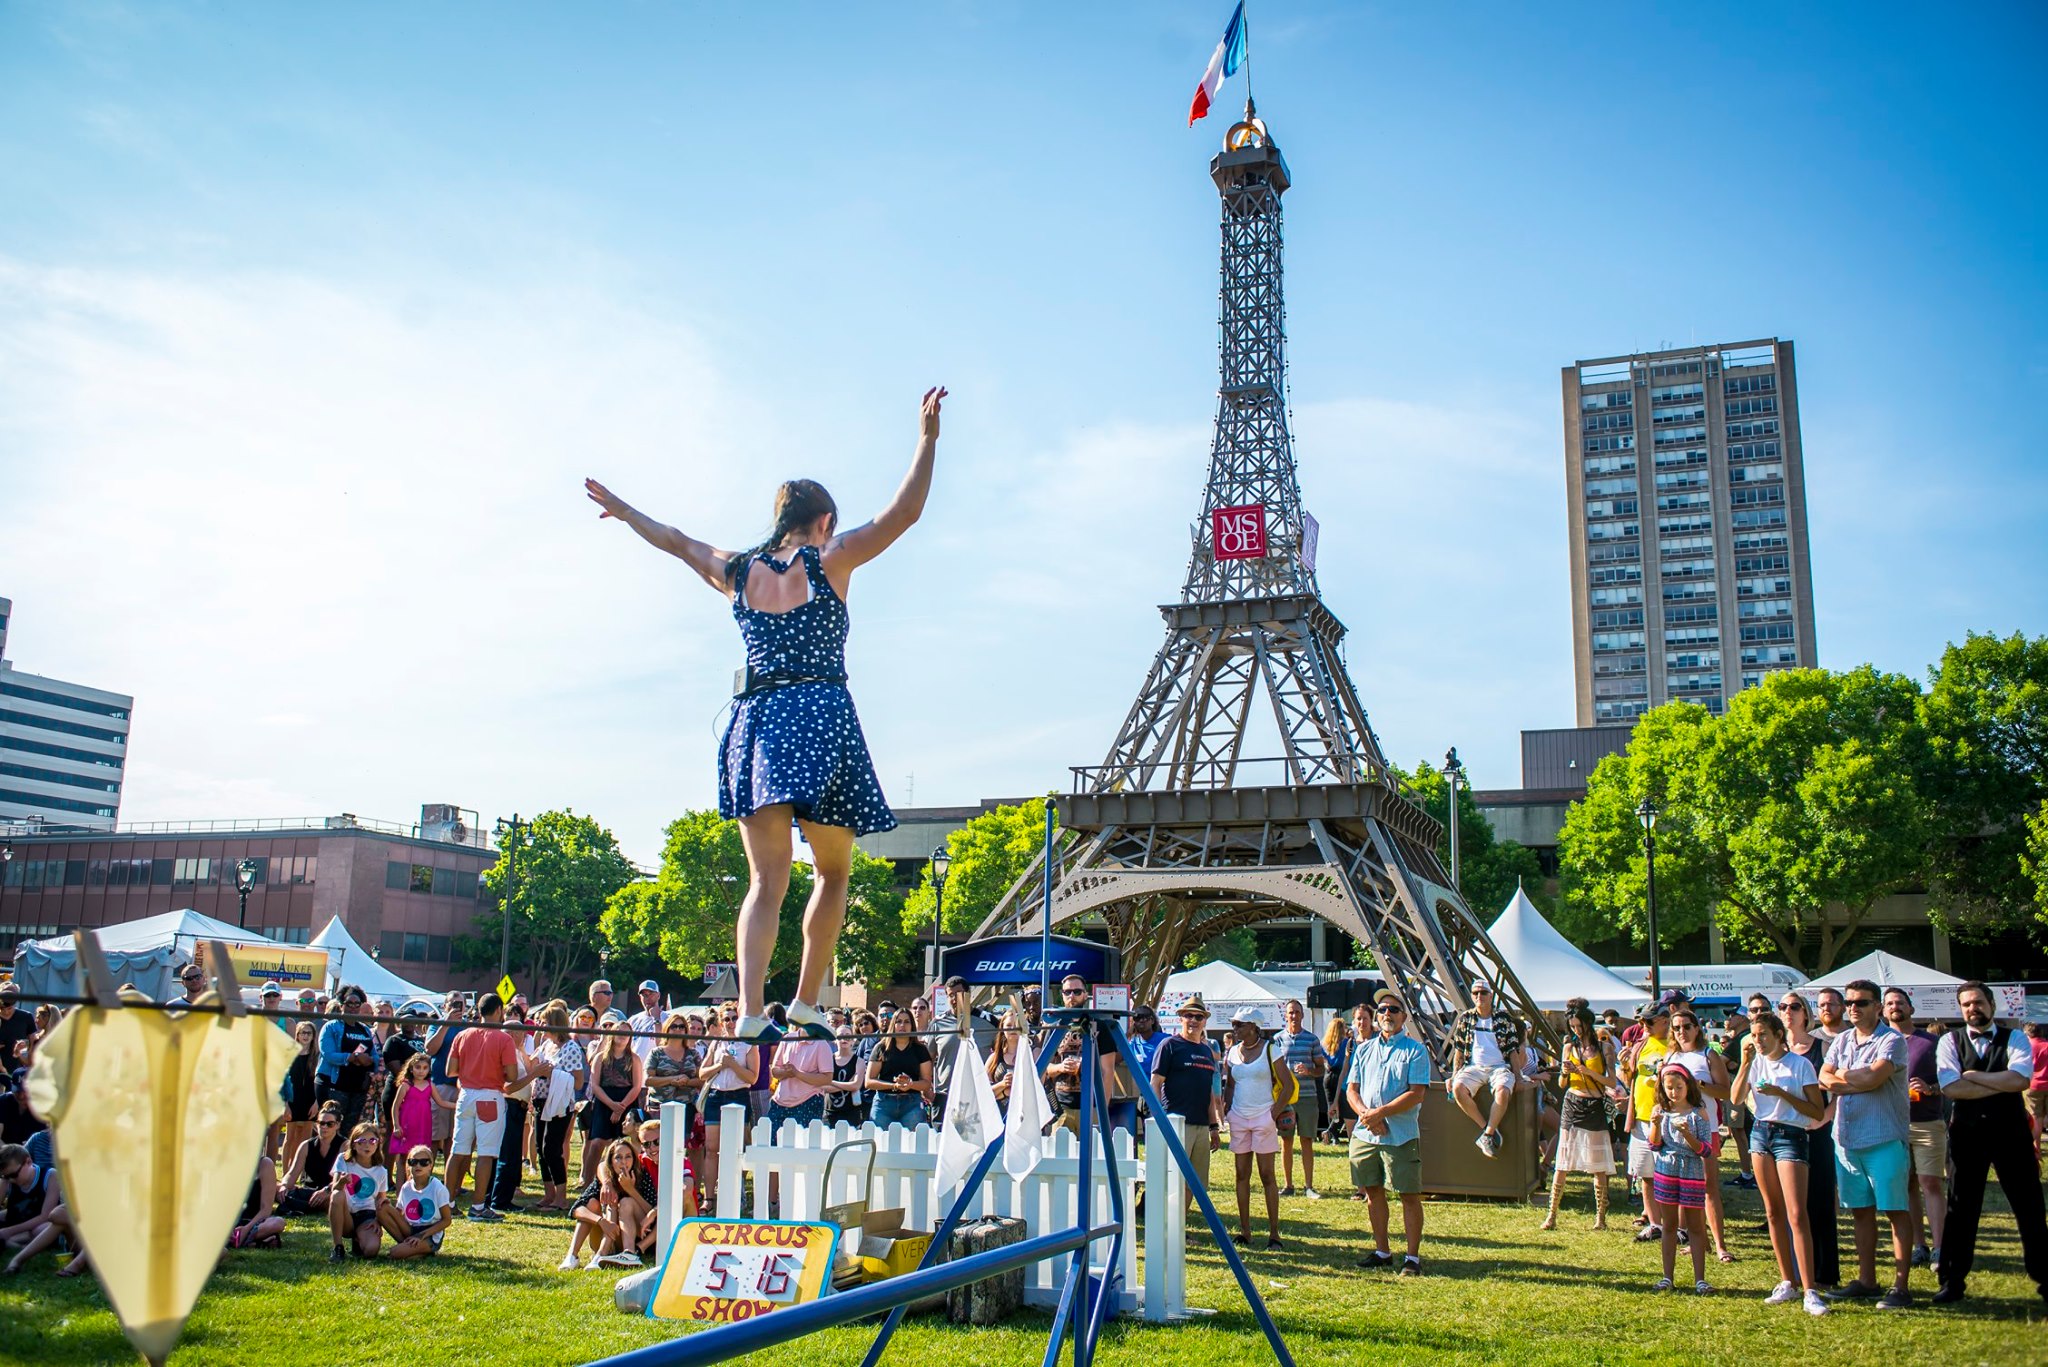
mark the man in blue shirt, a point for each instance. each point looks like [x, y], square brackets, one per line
[1389, 1074]
[1301, 1122]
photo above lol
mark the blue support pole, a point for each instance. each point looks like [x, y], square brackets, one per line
[1045, 917]
[1099, 1312]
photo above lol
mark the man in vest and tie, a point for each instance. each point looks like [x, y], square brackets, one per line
[1984, 1070]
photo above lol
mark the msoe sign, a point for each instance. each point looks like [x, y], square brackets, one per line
[1239, 533]
[1014, 960]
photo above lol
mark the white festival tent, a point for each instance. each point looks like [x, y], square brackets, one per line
[1552, 968]
[349, 962]
[1886, 970]
[147, 953]
[1225, 988]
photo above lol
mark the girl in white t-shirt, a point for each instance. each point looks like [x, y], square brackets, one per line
[1710, 1071]
[423, 1206]
[356, 1210]
[1786, 1099]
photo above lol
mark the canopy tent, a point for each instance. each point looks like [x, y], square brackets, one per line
[1225, 988]
[349, 962]
[1552, 968]
[1886, 970]
[146, 953]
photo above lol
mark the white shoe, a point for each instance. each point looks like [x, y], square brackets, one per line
[810, 1020]
[1785, 1292]
[568, 1263]
[625, 1259]
[1814, 1304]
[594, 1264]
[1311, 1193]
[754, 1030]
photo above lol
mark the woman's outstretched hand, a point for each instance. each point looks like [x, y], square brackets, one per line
[609, 503]
[928, 414]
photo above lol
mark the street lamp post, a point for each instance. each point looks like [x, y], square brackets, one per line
[1647, 812]
[508, 829]
[940, 862]
[245, 883]
[1454, 773]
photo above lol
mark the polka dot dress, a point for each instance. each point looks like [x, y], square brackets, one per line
[800, 744]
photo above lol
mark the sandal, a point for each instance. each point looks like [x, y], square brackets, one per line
[1274, 1243]
[1724, 1255]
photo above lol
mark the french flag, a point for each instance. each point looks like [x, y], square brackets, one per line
[1223, 64]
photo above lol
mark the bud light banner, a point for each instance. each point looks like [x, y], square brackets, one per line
[1239, 533]
[1012, 960]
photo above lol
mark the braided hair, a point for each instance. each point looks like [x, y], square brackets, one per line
[798, 503]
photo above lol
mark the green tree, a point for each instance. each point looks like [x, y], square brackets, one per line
[2034, 861]
[985, 856]
[688, 913]
[1489, 869]
[1234, 946]
[1600, 848]
[1789, 816]
[568, 868]
[1986, 715]
[1810, 796]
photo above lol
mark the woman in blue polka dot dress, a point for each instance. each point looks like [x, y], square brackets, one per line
[793, 754]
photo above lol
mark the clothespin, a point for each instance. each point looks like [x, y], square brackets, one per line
[99, 977]
[221, 969]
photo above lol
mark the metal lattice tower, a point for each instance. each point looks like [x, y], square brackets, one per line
[1178, 835]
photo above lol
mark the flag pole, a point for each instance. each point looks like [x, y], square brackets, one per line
[1248, 103]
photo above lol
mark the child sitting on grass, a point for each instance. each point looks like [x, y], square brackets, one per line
[358, 1208]
[423, 1206]
[615, 1212]
[259, 1225]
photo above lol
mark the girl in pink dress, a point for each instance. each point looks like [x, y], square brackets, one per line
[412, 1107]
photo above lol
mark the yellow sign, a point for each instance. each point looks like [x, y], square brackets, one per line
[290, 967]
[506, 990]
[722, 1271]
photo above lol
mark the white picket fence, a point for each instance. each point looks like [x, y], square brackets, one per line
[1047, 1198]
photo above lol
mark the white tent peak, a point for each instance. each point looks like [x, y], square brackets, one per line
[180, 929]
[1552, 968]
[349, 962]
[1886, 970]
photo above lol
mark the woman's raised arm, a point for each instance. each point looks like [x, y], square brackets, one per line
[855, 548]
[707, 560]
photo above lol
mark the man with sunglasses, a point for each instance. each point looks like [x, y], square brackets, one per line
[1184, 1076]
[1983, 1070]
[1865, 1072]
[1388, 1077]
[192, 983]
[1486, 1051]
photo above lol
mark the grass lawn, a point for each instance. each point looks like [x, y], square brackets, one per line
[1497, 1291]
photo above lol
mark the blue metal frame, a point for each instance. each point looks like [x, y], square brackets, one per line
[1080, 1310]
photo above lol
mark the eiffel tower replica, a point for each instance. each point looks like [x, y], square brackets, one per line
[1178, 836]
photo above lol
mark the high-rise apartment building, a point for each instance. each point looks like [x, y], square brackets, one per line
[1687, 501]
[63, 748]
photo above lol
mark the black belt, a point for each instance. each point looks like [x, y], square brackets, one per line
[748, 684]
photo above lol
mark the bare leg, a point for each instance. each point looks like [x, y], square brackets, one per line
[1463, 1096]
[1376, 1211]
[339, 1222]
[1244, 1191]
[1696, 1227]
[1272, 1195]
[1792, 1179]
[1864, 1218]
[458, 1170]
[1502, 1099]
[1713, 1165]
[831, 870]
[44, 1236]
[1308, 1161]
[1935, 1200]
[1599, 1200]
[484, 1166]
[1774, 1196]
[1411, 1222]
[766, 836]
[1902, 1247]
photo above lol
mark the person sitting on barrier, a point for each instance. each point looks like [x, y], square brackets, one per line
[309, 1180]
[900, 1076]
[1385, 1084]
[728, 1072]
[1486, 1051]
[1257, 1087]
[259, 1225]
[615, 1213]
[1184, 1077]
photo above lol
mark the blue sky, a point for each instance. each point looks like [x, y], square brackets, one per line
[312, 320]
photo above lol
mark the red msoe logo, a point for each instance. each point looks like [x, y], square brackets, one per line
[1240, 533]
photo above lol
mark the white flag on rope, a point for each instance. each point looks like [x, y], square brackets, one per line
[1030, 1110]
[972, 1121]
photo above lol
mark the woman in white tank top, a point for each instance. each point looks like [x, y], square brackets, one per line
[1254, 1121]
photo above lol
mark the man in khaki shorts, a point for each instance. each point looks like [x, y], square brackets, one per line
[1389, 1075]
[1184, 1076]
[1302, 1121]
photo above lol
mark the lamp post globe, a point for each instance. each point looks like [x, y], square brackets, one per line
[245, 883]
[1647, 812]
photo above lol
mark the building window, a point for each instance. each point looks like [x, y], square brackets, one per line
[444, 882]
[1750, 384]
[98, 709]
[391, 945]
[397, 874]
[437, 949]
[160, 871]
[422, 880]
[415, 946]
[38, 802]
[69, 728]
[465, 883]
[85, 781]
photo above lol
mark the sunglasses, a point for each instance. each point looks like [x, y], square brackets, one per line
[329, 1124]
[1858, 1001]
[10, 1176]
[1792, 1006]
[366, 1139]
[419, 1162]
[1391, 1011]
